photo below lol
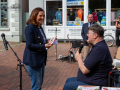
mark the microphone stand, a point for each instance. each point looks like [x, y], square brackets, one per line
[56, 44]
[20, 65]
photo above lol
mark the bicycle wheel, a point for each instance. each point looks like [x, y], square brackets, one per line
[109, 39]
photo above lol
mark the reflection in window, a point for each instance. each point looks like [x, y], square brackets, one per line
[54, 13]
[115, 11]
[75, 12]
[3, 0]
[98, 9]
[3, 14]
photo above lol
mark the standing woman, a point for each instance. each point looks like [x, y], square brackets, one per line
[118, 32]
[35, 53]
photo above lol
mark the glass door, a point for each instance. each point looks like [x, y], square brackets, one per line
[54, 13]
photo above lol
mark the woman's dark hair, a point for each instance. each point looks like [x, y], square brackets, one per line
[32, 18]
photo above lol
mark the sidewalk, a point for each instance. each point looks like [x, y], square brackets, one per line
[56, 72]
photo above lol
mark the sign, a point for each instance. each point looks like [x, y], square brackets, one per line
[77, 22]
[74, 23]
[74, 33]
[51, 32]
[54, 30]
[75, 2]
[75, 17]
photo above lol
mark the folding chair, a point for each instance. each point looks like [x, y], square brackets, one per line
[113, 78]
[114, 75]
[116, 60]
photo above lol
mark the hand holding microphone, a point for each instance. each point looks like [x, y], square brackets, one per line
[78, 55]
[4, 41]
[80, 49]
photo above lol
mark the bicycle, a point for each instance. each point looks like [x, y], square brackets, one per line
[109, 39]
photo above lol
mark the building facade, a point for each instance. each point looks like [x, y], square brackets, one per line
[11, 12]
[68, 16]
[62, 17]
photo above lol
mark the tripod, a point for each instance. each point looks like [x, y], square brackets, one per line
[20, 64]
[56, 44]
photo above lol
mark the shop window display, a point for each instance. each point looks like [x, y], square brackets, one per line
[3, 14]
[98, 9]
[75, 12]
[54, 13]
[115, 11]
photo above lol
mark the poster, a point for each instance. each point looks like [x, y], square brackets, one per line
[75, 2]
[75, 14]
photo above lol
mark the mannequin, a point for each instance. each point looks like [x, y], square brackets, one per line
[58, 15]
[72, 14]
[95, 17]
[100, 15]
[89, 11]
[80, 13]
[76, 15]
[104, 13]
[68, 14]
[112, 16]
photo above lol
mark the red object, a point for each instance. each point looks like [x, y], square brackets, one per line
[52, 40]
[95, 17]
[110, 72]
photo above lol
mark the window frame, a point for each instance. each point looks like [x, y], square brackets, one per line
[2, 27]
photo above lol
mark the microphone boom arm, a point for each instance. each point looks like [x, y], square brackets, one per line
[21, 64]
[18, 58]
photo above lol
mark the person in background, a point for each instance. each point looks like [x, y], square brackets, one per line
[84, 35]
[35, 53]
[118, 32]
[95, 68]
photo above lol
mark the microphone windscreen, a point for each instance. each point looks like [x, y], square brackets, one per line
[2, 35]
[80, 49]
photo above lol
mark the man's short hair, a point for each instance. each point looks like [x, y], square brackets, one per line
[97, 29]
[89, 14]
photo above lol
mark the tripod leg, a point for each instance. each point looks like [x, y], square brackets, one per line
[20, 77]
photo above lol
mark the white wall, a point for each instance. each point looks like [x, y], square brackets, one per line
[12, 32]
[35, 3]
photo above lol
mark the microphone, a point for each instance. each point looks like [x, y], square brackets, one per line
[4, 41]
[80, 49]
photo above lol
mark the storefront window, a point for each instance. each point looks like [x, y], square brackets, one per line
[75, 12]
[98, 9]
[54, 13]
[3, 14]
[115, 11]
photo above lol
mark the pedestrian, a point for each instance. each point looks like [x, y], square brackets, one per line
[118, 32]
[84, 32]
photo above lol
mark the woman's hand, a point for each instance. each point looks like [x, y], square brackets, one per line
[48, 45]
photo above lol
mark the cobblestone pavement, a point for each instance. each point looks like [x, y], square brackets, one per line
[56, 71]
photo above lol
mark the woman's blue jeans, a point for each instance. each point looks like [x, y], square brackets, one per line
[36, 75]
